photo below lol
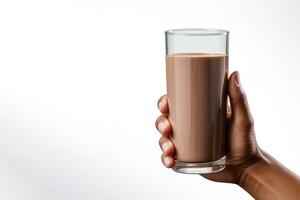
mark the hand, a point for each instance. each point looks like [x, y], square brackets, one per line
[242, 150]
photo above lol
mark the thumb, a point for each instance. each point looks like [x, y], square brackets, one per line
[241, 114]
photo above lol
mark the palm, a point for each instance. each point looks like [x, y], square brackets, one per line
[240, 152]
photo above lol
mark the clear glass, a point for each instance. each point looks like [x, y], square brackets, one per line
[197, 72]
[196, 41]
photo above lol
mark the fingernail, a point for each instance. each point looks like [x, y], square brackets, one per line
[238, 82]
[167, 161]
[161, 126]
[160, 105]
[237, 79]
[165, 146]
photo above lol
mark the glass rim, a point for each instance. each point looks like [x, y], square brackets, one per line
[196, 32]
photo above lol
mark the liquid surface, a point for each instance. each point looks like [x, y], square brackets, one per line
[197, 98]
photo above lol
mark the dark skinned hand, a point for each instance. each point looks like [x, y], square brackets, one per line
[242, 150]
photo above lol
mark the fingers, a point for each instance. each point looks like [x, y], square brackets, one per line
[168, 151]
[163, 104]
[166, 146]
[163, 125]
[168, 161]
[241, 115]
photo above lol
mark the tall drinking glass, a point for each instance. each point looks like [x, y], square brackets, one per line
[197, 72]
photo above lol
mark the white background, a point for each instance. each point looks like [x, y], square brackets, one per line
[79, 81]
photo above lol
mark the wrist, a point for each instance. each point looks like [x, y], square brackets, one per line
[250, 172]
[269, 179]
[255, 179]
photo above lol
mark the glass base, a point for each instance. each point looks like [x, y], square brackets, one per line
[200, 168]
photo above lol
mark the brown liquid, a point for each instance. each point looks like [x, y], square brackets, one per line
[197, 98]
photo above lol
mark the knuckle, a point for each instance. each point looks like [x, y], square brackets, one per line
[160, 141]
[250, 123]
[162, 98]
[247, 125]
[240, 99]
[158, 120]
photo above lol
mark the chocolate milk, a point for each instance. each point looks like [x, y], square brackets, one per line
[197, 98]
